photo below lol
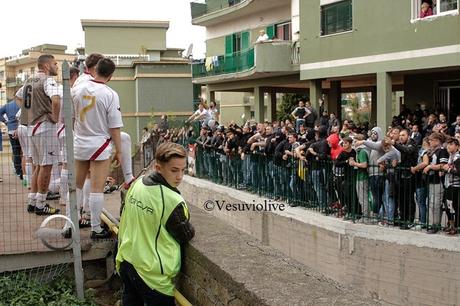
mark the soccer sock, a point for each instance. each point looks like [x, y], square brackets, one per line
[64, 188]
[96, 201]
[31, 199]
[41, 198]
[86, 192]
[126, 163]
[29, 173]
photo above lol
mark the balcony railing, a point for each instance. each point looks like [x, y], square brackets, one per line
[200, 9]
[223, 64]
[17, 81]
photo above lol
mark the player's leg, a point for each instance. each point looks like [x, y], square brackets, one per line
[126, 161]
[99, 171]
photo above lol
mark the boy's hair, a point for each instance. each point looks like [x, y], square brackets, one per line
[348, 140]
[452, 140]
[105, 67]
[169, 150]
[92, 60]
[43, 59]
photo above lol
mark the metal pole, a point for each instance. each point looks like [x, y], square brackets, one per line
[78, 268]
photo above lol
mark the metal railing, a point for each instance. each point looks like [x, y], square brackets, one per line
[393, 196]
[223, 64]
[201, 9]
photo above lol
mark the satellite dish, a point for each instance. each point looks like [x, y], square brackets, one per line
[189, 52]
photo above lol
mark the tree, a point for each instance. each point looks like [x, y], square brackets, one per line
[288, 103]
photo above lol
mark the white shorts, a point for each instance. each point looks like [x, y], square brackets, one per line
[101, 151]
[44, 144]
[24, 140]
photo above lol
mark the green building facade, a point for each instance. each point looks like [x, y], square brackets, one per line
[328, 48]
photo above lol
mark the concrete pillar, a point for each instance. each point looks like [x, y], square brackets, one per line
[315, 94]
[335, 99]
[259, 104]
[271, 110]
[384, 92]
[373, 119]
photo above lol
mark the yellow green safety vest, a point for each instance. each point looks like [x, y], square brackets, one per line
[143, 239]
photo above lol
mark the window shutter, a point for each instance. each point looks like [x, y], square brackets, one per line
[270, 31]
[244, 41]
[228, 44]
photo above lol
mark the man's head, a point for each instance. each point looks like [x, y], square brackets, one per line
[292, 138]
[170, 162]
[74, 72]
[105, 68]
[415, 128]
[91, 62]
[435, 140]
[346, 143]
[394, 133]
[47, 64]
[403, 136]
[452, 145]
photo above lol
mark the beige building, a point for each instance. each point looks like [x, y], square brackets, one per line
[14, 70]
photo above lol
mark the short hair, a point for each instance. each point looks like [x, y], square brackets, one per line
[452, 140]
[105, 67]
[437, 136]
[169, 150]
[43, 59]
[92, 60]
[347, 139]
[74, 71]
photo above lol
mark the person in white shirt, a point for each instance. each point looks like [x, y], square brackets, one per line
[201, 114]
[262, 36]
[97, 125]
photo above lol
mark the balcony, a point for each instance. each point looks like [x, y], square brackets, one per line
[264, 59]
[218, 11]
[18, 81]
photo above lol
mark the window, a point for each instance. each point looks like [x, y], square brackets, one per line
[426, 8]
[237, 42]
[283, 31]
[32, 70]
[336, 17]
[233, 2]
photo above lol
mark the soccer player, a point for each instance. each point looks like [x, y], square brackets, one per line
[41, 106]
[97, 124]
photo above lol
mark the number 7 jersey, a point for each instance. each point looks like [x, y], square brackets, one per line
[96, 110]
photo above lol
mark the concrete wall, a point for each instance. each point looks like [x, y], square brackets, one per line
[378, 27]
[397, 267]
[223, 266]
[113, 40]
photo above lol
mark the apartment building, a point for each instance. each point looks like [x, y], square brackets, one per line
[150, 78]
[329, 49]
[15, 70]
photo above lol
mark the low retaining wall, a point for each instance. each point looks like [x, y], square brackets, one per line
[224, 266]
[397, 267]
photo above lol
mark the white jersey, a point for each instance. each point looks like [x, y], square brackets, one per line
[82, 78]
[96, 110]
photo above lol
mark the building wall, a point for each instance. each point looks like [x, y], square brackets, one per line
[379, 27]
[117, 40]
[253, 21]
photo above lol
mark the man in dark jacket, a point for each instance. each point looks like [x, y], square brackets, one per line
[405, 182]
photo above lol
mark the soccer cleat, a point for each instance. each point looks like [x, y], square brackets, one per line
[82, 223]
[46, 210]
[52, 196]
[67, 233]
[30, 208]
[104, 234]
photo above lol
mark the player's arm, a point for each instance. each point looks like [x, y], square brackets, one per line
[55, 108]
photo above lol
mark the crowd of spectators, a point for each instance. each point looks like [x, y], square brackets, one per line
[381, 174]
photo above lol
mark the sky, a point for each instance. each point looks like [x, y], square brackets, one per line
[31, 23]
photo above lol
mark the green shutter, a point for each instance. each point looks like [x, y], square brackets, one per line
[270, 31]
[228, 44]
[245, 41]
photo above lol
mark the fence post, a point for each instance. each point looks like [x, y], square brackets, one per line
[67, 109]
